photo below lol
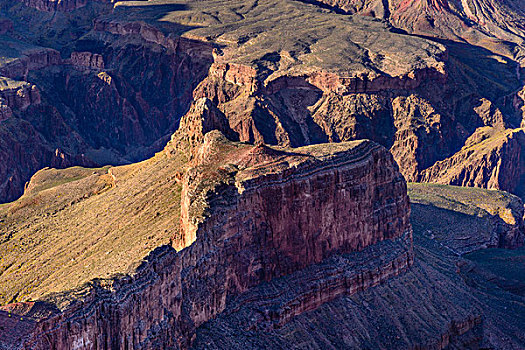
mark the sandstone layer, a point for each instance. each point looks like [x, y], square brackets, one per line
[237, 232]
[108, 82]
[441, 302]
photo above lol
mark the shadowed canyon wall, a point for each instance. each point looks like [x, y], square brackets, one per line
[120, 89]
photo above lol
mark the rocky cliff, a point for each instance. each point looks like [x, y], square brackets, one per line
[70, 98]
[491, 158]
[124, 79]
[237, 205]
[239, 281]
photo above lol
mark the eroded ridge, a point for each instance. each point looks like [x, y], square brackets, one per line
[250, 215]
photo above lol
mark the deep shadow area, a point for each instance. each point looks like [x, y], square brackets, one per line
[503, 268]
[326, 6]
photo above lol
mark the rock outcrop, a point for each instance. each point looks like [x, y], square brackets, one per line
[491, 158]
[87, 59]
[19, 96]
[32, 59]
[249, 215]
[293, 94]
[466, 220]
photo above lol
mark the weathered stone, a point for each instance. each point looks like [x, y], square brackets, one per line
[248, 216]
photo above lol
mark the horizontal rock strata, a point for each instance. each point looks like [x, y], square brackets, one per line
[254, 224]
[491, 158]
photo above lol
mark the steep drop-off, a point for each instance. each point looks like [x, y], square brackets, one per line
[120, 83]
[235, 209]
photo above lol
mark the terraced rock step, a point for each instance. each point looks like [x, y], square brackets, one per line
[237, 234]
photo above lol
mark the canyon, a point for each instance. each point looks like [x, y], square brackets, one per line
[220, 264]
[423, 96]
[235, 234]
[221, 174]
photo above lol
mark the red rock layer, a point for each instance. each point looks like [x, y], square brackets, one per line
[87, 59]
[120, 115]
[488, 161]
[20, 97]
[31, 60]
[271, 220]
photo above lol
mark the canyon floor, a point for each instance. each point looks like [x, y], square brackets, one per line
[262, 174]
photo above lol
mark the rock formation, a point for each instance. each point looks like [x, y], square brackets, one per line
[486, 23]
[248, 275]
[247, 217]
[420, 98]
[87, 59]
[468, 219]
[491, 158]
[279, 238]
[32, 59]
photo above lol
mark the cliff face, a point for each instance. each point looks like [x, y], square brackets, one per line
[20, 96]
[430, 306]
[115, 106]
[123, 85]
[491, 158]
[32, 59]
[23, 149]
[270, 204]
[236, 210]
[87, 59]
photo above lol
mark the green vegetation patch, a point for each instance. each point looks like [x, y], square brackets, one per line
[467, 200]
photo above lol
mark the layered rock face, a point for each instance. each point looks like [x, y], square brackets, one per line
[87, 59]
[116, 105]
[32, 59]
[237, 209]
[421, 99]
[432, 306]
[491, 158]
